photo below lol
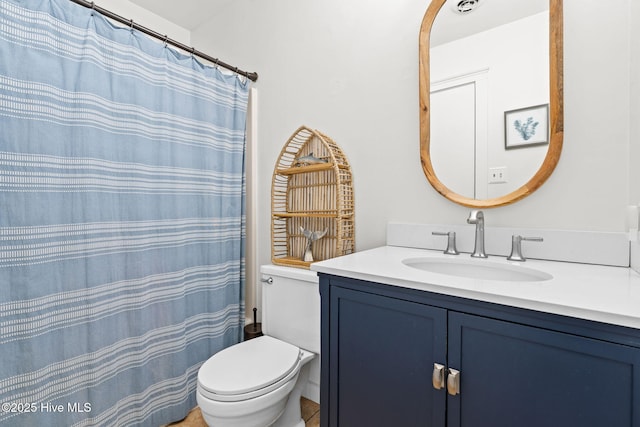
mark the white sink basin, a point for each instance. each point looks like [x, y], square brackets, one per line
[478, 269]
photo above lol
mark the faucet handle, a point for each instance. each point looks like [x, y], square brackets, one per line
[516, 247]
[451, 241]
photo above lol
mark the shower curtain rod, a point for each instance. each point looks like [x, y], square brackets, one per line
[91, 5]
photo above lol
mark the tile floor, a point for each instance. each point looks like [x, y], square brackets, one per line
[310, 413]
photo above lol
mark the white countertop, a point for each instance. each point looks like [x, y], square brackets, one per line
[601, 293]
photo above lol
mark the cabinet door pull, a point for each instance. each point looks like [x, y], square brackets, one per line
[453, 382]
[437, 378]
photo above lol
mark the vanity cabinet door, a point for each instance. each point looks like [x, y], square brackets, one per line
[515, 375]
[381, 356]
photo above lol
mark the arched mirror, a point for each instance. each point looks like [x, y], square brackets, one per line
[491, 106]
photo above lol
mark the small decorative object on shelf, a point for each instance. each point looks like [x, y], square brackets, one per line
[311, 236]
[309, 159]
[311, 201]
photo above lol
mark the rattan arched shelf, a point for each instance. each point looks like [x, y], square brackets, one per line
[315, 195]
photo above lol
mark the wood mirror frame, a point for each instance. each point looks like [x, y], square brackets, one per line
[556, 111]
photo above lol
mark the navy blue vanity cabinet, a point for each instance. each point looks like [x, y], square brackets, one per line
[384, 350]
[517, 375]
[382, 346]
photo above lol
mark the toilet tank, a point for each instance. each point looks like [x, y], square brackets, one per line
[291, 306]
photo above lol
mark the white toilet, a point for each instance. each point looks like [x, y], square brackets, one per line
[258, 383]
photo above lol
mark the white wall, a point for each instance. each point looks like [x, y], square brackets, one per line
[349, 68]
[634, 113]
[634, 110]
[141, 16]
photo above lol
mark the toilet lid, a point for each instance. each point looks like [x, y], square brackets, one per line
[248, 366]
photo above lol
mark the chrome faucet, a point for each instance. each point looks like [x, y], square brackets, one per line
[477, 218]
[451, 241]
[516, 247]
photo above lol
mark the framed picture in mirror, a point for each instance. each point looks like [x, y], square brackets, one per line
[526, 127]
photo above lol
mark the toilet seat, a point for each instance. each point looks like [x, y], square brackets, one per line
[249, 369]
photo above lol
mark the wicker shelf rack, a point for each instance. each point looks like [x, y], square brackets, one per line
[315, 196]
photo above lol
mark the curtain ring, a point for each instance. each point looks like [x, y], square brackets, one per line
[193, 51]
[166, 37]
[93, 5]
[215, 62]
[131, 25]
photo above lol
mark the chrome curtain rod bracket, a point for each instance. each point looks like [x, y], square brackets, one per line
[253, 76]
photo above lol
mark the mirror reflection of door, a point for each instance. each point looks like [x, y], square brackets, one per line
[459, 117]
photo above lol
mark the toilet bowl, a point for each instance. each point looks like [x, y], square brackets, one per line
[249, 384]
[258, 383]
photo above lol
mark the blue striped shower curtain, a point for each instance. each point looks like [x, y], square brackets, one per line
[121, 219]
